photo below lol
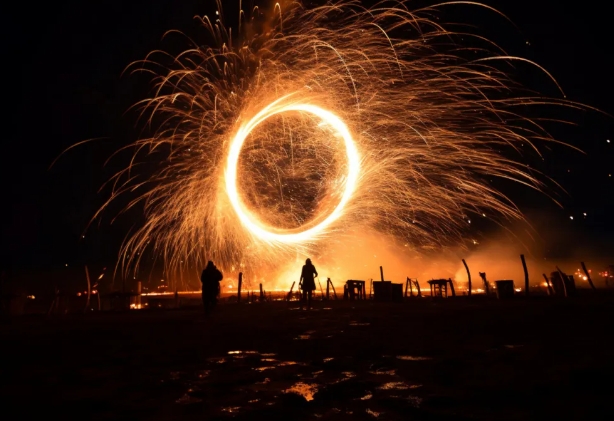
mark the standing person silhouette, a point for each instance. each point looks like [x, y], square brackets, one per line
[307, 282]
[210, 279]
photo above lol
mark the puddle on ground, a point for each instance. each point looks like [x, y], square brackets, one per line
[412, 358]
[264, 368]
[415, 401]
[373, 413]
[218, 360]
[359, 324]
[302, 379]
[395, 386]
[287, 363]
[187, 399]
[384, 372]
[306, 390]
[302, 337]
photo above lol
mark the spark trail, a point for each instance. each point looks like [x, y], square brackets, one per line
[310, 125]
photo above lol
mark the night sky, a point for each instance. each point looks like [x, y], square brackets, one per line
[63, 63]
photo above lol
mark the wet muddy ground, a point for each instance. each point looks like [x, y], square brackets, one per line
[450, 359]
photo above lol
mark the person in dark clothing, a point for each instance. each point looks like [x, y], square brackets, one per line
[210, 279]
[307, 283]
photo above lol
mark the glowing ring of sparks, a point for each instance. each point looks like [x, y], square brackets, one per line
[246, 218]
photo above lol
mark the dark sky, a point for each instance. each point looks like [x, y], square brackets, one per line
[63, 62]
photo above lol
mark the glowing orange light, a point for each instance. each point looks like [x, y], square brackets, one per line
[246, 217]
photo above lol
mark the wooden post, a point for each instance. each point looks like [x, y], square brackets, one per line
[550, 290]
[468, 277]
[588, 276]
[262, 297]
[139, 289]
[451, 288]
[526, 275]
[486, 286]
[290, 293]
[53, 305]
[239, 287]
[321, 292]
[418, 288]
[89, 289]
[329, 282]
[381, 272]
[327, 288]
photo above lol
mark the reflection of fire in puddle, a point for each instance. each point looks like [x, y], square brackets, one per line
[366, 397]
[286, 363]
[412, 358]
[512, 346]
[187, 399]
[359, 324]
[384, 372]
[415, 401]
[263, 368]
[302, 337]
[305, 390]
[347, 375]
[265, 381]
[398, 386]
[231, 409]
[242, 352]
[373, 413]
[328, 359]
[203, 374]
[269, 360]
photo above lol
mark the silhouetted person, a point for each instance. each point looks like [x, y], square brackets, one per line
[210, 279]
[307, 282]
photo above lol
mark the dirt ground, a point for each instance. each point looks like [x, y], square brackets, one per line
[456, 359]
